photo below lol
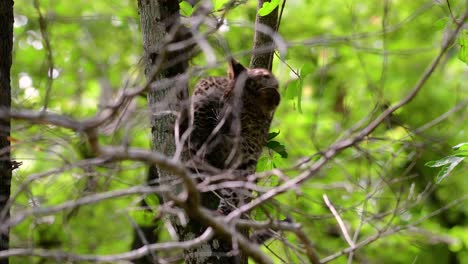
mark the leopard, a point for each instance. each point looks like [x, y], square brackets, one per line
[230, 120]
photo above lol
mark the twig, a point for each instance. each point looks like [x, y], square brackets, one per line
[339, 220]
[48, 48]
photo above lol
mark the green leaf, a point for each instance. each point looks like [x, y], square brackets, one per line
[463, 42]
[218, 4]
[294, 88]
[278, 147]
[272, 135]
[142, 217]
[291, 89]
[152, 200]
[442, 162]
[299, 96]
[268, 7]
[461, 146]
[186, 8]
[263, 164]
[294, 91]
[307, 69]
[277, 161]
[446, 170]
[461, 154]
[440, 24]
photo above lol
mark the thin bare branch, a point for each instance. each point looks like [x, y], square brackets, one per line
[342, 225]
[137, 253]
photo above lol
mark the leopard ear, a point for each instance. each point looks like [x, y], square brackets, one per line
[235, 69]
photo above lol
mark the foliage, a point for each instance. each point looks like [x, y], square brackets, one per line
[340, 72]
[450, 162]
[463, 42]
[268, 7]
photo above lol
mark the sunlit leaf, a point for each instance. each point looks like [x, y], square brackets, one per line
[441, 23]
[461, 154]
[299, 95]
[461, 146]
[294, 91]
[463, 42]
[142, 217]
[268, 7]
[263, 164]
[278, 161]
[442, 162]
[152, 200]
[218, 4]
[291, 89]
[307, 69]
[186, 8]
[447, 169]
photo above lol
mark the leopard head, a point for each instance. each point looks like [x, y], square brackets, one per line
[259, 86]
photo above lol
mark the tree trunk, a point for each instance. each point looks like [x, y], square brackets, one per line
[6, 44]
[157, 20]
[263, 46]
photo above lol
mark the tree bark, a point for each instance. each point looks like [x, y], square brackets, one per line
[264, 58]
[157, 19]
[6, 45]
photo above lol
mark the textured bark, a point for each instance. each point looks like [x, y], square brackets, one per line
[6, 44]
[261, 58]
[156, 18]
